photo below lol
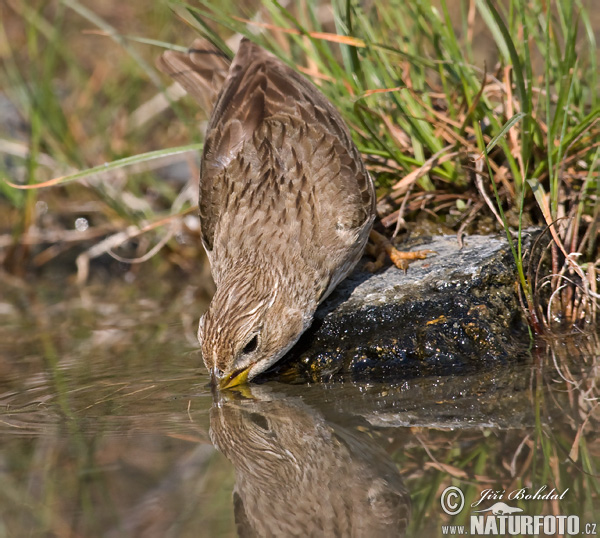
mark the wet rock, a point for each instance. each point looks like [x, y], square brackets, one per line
[453, 313]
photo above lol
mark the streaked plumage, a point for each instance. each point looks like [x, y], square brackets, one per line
[286, 206]
[298, 474]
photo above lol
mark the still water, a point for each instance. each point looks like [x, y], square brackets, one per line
[108, 428]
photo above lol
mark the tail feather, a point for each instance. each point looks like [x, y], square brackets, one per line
[201, 71]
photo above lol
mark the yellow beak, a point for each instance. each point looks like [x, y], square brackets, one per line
[238, 377]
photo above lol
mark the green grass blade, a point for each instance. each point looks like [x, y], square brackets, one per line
[107, 167]
[504, 129]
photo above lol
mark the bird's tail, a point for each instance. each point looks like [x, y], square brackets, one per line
[201, 71]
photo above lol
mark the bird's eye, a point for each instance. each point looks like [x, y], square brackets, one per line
[260, 421]
[251, 345]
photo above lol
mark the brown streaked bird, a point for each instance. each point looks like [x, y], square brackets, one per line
[298, 473]
[286, 204]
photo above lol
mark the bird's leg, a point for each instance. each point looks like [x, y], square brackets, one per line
[380, 246]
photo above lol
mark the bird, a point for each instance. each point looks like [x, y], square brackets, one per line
[286, 204]
[302, 473]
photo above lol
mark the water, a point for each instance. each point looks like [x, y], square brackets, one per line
[108, 428]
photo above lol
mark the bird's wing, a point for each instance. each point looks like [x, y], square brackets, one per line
[260, 86]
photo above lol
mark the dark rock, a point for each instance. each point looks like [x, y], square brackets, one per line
[452, 313]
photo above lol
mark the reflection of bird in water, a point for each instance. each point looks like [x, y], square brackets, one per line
[298, 475]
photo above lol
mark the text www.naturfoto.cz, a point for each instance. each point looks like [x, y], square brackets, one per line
[456, 530]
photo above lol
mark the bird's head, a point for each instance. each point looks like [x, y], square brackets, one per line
[250, 324]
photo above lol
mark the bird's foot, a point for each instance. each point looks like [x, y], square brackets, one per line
[380, 247]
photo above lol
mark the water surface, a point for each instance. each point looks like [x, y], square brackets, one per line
[108, 428]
